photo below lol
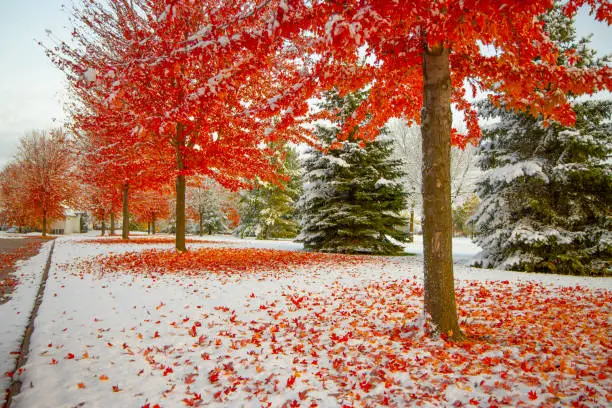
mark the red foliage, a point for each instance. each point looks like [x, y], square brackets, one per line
[216, 260]
[40, 183]
[151, 205]
[369, 342]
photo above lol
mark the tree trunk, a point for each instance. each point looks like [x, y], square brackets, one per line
[112, 224]
[180, 191]
[153, 224]
[437, 224]
[201, 225]
[412, 225]
[148, 227]
[125, 231]
[103, 228]
[44, 226]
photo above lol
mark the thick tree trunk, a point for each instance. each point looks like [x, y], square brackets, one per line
[437, 224]
[112, 224]
[103, 228]
[125, 231]
[201, 225]
[44, 226]
[148, 227]
[180, 191]
[153, 224]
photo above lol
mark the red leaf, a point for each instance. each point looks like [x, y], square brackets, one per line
[533, 395]
[290, 381]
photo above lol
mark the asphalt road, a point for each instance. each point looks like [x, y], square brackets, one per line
[12, 249]
[10, 244]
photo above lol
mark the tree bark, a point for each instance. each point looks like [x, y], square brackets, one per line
[201, 225]
[112, 224]
[436, 120]
[125, 231]
[44, 226]
[148, 227]
[412, 225]
[180, 191]
[153, 224]
[103, 228]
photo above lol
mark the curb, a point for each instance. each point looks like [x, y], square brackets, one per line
[15, 386]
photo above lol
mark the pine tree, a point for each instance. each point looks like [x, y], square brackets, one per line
[268, 209]
[546, 188]
[353, 194]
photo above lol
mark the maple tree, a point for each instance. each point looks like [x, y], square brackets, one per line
[164, 76]
[13, 196]
[418, 58]
[150, 206]
[44, 161]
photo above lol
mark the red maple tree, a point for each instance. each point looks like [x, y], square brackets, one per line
[46, 174]
[151, 206]
[13, 197]
[417, 58]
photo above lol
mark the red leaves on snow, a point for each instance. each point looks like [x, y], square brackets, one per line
[218, 260]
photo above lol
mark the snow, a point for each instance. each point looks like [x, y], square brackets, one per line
[15, 313]
[382, 182]
[90, 74]
[510, 172]
[97, 331]
[337, 161]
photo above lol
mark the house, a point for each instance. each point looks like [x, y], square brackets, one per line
[70, 224]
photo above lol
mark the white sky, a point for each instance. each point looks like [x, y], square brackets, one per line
[32, 89]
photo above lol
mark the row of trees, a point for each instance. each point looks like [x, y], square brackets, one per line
[166, 90]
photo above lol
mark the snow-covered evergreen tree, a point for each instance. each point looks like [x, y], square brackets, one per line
[546, 193]
[268, 209]
[546, 190]
[353, 195]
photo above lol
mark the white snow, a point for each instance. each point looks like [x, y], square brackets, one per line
[513, 171]
[90, 74]
[382, 182]
[158, 337]
[15, 313]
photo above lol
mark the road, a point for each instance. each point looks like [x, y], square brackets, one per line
[12, 250]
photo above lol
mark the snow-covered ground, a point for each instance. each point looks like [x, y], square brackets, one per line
[341, 330]
[15, 313]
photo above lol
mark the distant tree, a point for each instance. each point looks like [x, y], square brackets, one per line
[407, 147]
[47, 166]
[13, 196]
[462, 214]
[204, 200]
[353, 195]
[151, 206]
[268, 209]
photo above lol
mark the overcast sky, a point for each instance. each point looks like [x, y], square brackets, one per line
[32, 89]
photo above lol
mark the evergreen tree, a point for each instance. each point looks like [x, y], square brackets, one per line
[353, 194]
[268, 209]
[546, 188]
